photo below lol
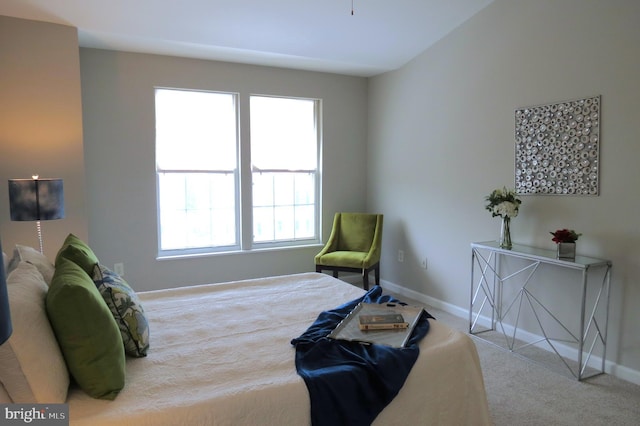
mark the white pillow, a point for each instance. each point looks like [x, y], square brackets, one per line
[4, 396]
[33, 256]
[32, 368]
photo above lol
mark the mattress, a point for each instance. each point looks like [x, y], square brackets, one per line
[221, 355]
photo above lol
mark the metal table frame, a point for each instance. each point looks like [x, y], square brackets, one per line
[487, 294]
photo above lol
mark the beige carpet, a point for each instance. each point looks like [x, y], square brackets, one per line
[522, 392]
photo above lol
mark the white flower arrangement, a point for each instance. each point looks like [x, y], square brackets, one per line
[503, 202]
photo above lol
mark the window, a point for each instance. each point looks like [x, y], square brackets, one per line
[196, 163]
[284, 162]
[198, 157]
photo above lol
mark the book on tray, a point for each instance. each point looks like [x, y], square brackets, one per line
[381, 322]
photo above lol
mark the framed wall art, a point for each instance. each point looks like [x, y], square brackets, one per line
[558, 148]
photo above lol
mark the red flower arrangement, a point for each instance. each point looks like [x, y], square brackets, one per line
[565, 236]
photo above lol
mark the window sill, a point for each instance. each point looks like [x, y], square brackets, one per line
[238, 252]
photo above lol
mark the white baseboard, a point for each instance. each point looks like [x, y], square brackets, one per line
[619, 371]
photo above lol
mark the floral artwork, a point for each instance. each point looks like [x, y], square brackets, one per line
[557, 148]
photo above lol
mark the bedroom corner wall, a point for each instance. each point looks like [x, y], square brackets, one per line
[119, 128]
[441, 137]
[41, 125]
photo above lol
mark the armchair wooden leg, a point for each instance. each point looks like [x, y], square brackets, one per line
[377, 274]
[365, 279]
[335, 273]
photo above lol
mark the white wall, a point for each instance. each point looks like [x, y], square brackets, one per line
[441, 137]
[118, 114]
[41, 125]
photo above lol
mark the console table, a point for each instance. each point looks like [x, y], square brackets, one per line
[493, 268]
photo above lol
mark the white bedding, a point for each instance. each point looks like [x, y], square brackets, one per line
[221, 355]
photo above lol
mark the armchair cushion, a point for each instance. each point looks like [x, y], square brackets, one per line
[345, 259]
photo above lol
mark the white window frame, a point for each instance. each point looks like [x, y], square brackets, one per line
[315, 239]
[243, 192]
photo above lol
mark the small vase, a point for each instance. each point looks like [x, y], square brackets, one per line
[567, 251]
[505, 233]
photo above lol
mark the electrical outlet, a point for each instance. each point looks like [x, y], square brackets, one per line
[424, 263]
[118, 268]
[400, 256]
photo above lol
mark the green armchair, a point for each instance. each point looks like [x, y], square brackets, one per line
[354, 245]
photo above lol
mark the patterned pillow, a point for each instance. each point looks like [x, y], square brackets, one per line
[126, 309]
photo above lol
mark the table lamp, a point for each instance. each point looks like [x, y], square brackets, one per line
[35, 200]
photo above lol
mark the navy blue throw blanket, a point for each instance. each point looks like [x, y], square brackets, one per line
[350, 383]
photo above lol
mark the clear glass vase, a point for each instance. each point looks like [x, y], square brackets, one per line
[505, 233]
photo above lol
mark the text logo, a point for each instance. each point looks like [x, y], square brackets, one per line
[36, 414]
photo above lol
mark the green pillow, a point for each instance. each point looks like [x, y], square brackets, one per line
[77, 251]
[86, 331]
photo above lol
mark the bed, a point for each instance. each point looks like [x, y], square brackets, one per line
[221, 354]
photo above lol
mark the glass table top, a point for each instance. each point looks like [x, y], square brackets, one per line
[544, 255]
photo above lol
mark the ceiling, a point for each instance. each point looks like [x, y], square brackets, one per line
[321, 35]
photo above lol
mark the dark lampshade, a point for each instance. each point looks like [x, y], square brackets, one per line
[36, 199]
[5, 315]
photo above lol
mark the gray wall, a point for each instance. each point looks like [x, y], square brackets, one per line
[118, 114]
[441, 137]
[41, 125]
